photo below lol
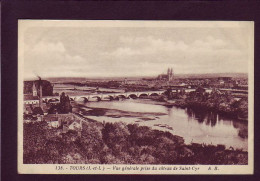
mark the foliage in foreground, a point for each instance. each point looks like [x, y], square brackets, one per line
[120, 144]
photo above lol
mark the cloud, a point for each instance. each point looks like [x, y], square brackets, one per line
[44, 46]
[206, 54]
[151, 45]
[133, 52]
[49, 57]
[122, 51]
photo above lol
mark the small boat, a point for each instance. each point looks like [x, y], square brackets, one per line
[161, 125]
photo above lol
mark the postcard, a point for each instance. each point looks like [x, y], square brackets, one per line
[135, 97]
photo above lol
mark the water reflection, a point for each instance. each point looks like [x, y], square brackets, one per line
[243, 129]
[211, 118]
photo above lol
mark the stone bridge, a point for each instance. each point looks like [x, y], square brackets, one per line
[116, 96]
[99, 97]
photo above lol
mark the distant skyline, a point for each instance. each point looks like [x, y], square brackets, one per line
[50, 50]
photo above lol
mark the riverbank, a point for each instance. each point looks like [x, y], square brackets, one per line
[119, 143]
[203, 106]
[224, 104]
[203, 126]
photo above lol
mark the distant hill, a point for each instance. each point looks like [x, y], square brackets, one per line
[213, 75]
[66, 79]
[82, 79]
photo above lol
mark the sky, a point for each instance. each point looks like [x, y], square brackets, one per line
[123, 51]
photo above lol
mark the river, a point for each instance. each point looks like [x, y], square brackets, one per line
[193, 125]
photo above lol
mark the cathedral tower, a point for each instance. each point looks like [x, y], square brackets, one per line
[170, 74]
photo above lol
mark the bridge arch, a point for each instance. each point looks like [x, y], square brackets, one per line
[97, 98]
[111, 98]
[82, 98]
[133, 96]
[120, 96]
[143, 95]
[164, 93]
[108, 97]
[53, 100]
[154, 94]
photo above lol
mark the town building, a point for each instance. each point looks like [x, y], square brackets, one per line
[166, 77]
[64, 122]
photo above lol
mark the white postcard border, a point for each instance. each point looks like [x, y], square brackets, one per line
[111, 168]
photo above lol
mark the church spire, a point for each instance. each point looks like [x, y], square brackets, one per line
[34, 90]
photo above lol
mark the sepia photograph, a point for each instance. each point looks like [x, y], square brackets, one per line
[135, 97]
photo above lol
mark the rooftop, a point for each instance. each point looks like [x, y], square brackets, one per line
[30, 97]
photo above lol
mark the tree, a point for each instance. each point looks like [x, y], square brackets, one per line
[64, 106]
[37, 110]
[34, 141]
[168, 93]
